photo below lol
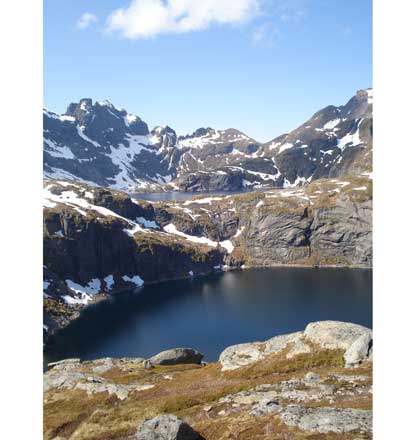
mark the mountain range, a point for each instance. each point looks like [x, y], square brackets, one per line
[100, 144]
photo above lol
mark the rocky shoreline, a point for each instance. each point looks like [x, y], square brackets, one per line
[315, 383]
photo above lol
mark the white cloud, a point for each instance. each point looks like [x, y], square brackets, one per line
[148, 18]
[86, 20]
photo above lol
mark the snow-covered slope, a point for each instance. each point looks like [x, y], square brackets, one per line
[335, 141]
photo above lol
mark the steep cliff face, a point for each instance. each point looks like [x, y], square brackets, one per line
[273, 237]
[94, 233]
[343, 233]
[337, 234]
[327, 222]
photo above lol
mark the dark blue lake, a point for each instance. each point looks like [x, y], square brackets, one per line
[211, 313]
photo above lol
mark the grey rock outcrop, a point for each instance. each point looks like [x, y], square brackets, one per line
[278, 236]
[240, 355]
[335, 334]
[103, 365]
[176, 356]
[120, 390]
[166, 427]
[64, 363]
[291, 401]
[343, 231]
[358, 351]
[70, 374]
[340, 231]
[279, 343]
[353, 338]
[327, 419]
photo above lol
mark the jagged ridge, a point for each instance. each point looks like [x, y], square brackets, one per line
[104, 145]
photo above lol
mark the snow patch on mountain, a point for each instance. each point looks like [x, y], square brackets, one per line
[53, 115]
[136, 279]
[72, 198]
[82, 294]
[286, 146]
[351, 139]
[56, 150]
[80, 131]
[202, 201]
[331, 124]
[298, 181]
[172, 229]
[129, 119]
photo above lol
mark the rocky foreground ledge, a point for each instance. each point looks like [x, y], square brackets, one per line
[313, 384]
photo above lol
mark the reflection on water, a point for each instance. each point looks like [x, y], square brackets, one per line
[211, 313]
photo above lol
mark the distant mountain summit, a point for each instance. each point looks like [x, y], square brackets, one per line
[101, 144]
[104, 145]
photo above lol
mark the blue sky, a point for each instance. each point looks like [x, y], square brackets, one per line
[262, 66]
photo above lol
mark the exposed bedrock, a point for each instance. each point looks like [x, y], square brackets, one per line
[293, 386]
[355, 340]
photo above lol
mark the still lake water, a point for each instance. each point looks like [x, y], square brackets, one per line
[176, 196]
[213, 312]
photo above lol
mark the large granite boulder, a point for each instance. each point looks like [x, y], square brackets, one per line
[166, 427]
[176, 356]
[354, 339]
[359, 350]
[335, 334]
[240, 355]
[327, 419]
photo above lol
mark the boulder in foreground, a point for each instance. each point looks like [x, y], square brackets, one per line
[335, 335]
[354, 339]
[166, 427]
[177, 356]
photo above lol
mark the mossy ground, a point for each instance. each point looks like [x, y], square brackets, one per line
[192, 392]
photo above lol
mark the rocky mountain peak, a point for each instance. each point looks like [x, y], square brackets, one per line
[164, 137]
[203, 131]
[163, 129]
[364, 93]
[107, 103]
[77, 110]
[200, 132]
[360, 106]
